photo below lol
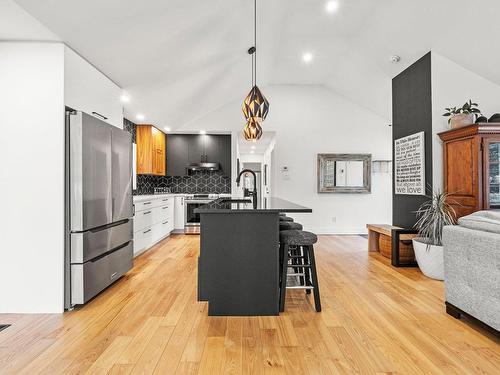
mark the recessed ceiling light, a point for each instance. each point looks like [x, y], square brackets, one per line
[252, 151]
[307, 57]
[253, 147]
[203, 132]
[167, 129]
[139, 117]
[395, 59]
[332, 6]
[125, 98]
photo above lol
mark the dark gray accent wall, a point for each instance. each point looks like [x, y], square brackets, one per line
[412, 113]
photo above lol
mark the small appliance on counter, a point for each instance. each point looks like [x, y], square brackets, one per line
[192, 202]
[99, 210]
[161, 190]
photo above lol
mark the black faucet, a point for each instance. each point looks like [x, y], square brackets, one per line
[254, 192]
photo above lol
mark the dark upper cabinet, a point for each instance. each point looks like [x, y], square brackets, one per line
[185, 149]
[211, 148]
[196, 148]
[225, 154]
[177, 154]
[203, 148]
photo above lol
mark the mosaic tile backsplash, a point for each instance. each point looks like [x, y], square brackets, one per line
[198, 182]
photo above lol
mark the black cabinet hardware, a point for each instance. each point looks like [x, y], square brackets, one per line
[101, 116]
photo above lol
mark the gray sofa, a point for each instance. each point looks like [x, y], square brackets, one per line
[472, 267]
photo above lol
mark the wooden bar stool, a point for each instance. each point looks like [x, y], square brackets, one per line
[308, 279]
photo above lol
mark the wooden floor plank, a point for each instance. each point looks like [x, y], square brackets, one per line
[376, 319]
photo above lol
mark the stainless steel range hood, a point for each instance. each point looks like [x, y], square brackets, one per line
[203, 167]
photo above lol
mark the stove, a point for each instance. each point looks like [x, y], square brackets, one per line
[202, 197]
[192, 202]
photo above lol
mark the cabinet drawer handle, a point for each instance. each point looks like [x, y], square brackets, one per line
[146, 203]
[113, 275]
[165, 222]
[165, 200]
[98, 114]
[146, 231]
[164, 208]
[147, 212]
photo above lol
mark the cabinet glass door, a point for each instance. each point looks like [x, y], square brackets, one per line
[494, 174]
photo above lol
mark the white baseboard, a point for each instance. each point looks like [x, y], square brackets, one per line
[330, 230]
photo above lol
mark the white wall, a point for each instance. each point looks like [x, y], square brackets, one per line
[308, 120]
[32, 177]
[453, 85]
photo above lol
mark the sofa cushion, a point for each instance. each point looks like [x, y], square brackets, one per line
[487, 221]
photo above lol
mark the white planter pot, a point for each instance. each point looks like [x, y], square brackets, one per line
[462, 119]
[429, 258]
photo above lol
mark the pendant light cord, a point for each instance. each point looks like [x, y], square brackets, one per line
[252, 72]
[255, 38]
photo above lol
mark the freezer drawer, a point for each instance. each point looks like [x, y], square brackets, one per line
[93, 243]
[90, 278]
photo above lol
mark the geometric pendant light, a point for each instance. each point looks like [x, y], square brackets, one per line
[255, 107]
[252, 130]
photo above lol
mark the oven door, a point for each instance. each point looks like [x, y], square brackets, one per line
[192, 219]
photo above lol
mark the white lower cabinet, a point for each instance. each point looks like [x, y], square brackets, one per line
[153, 221]
[179, 213]
[144, 219]
[162, 229]
[142, 240]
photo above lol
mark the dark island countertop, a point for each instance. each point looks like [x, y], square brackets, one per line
[273, 204]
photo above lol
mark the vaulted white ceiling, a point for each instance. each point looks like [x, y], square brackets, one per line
[182, 59]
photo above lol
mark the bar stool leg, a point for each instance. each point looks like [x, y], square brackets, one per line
[301, 261]
[307, 270]
[317, 301]
[283, 278]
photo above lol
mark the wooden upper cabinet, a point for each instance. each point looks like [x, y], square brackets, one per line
[151, 150]
[467, 153]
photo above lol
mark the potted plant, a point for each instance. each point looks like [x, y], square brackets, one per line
[462, 116]
[432, 216]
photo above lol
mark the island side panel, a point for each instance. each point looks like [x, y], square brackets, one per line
[238, 269]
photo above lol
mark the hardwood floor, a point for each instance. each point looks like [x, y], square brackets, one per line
[375, 319]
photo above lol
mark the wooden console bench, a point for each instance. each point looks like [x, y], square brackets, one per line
[400, 239]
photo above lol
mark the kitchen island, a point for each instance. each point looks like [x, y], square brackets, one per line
[238, 267]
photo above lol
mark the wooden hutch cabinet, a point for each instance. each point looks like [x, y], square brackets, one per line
[151, 150]
[471, 167]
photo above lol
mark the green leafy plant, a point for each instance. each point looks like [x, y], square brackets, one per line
[432, 216]
[467, 108]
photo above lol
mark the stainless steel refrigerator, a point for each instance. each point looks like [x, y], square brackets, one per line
[99, 208]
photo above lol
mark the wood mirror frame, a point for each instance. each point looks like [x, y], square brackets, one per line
[367, 166]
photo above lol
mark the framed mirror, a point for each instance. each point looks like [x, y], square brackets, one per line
[344, 173]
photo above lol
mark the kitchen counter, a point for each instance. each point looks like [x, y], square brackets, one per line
[273, 204]
[141, 198]
[238, 266]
